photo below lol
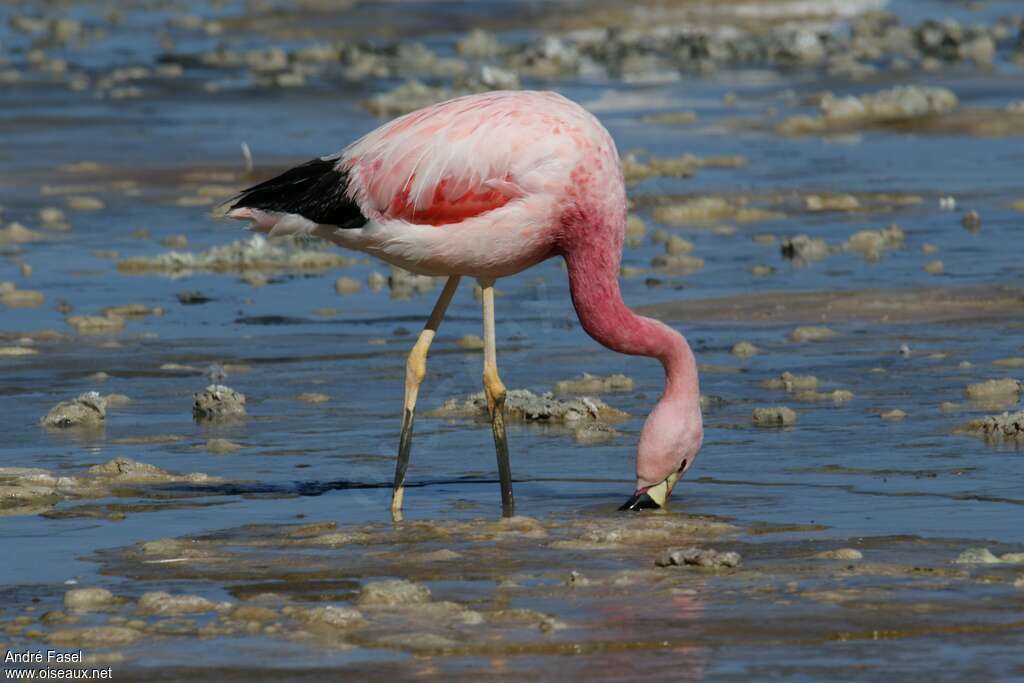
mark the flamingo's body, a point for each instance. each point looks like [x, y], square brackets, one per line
[487, 186]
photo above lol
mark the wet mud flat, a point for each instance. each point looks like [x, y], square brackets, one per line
[201, 424]
[598, 594]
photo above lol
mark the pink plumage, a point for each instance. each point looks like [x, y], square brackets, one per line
[487, 186]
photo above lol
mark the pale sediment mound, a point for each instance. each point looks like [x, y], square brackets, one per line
[12, 297]
[776, 416]
[1008, 427]
[586, 416]
[27, 490]
[253, 254]
[1006, 389]
[594, 384]
[929, 304]
[218, 402]
[128, 471]
[804, 248]
[986, 556]
[88, 410]
[871, 243]
[706, 209]
[525, 406]
[699, 557]
[886, 107]
[88, 600]
[791, 382]
[159, 602]
[393, 592]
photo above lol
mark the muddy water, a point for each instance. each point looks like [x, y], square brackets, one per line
[908, 494]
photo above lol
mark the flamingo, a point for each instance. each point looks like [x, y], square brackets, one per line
[486, 186]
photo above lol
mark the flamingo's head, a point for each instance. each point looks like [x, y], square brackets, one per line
[671, 437]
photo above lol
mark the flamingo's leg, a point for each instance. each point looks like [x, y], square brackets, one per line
[415, 370]
[494, 390]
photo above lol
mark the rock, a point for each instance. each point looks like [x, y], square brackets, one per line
[1013, 362]
[393, 593]
[594, 384]
[635, 230]
[408, 97]
[470, 342]
[594, 432]
[832, 202]
[347, 285]
[404, 284]
[935, 267]
[635, 170]
[893, 415]
[192, 297]
[777, 416]
[442, 555]
[313, 397]
[93, 636]
[218, 402]
[836, 396]
[709, 209]
[334, 617]
[376, 281]
[871, 243]
[16, 233]
[89, 410]
[791, 382]
[982, 50]
[885, 108]
[79, 203]
[745, 349]
[805, 248]
[1008, 427]
[676, 245]
[220, 446]
[175, 241]
[128, 471]
[671, 118]
[478, 44]
[253, 254]
[977, 556]
[17, 351]
[159, 602]
[526, 406]
[96, 324]
[845, 554]
[53, 218]
[681, 264]
[131, 311]
[88, 600]
[253, 613]
[995, 390]
[810, 333]
[12, 297]
[971, 221]
[699, 557]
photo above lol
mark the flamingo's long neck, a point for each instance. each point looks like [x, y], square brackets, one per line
[594, 283]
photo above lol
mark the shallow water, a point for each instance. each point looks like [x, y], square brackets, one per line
[910, 494]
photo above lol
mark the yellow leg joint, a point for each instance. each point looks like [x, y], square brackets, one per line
[416, 365]
[494, 388]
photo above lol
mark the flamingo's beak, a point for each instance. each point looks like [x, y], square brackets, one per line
[653, 497]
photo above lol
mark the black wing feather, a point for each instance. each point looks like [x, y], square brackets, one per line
[316, 190]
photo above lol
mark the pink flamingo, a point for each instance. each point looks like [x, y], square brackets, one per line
[486, 186]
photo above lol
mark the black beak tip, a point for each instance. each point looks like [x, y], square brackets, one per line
[640, 501]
